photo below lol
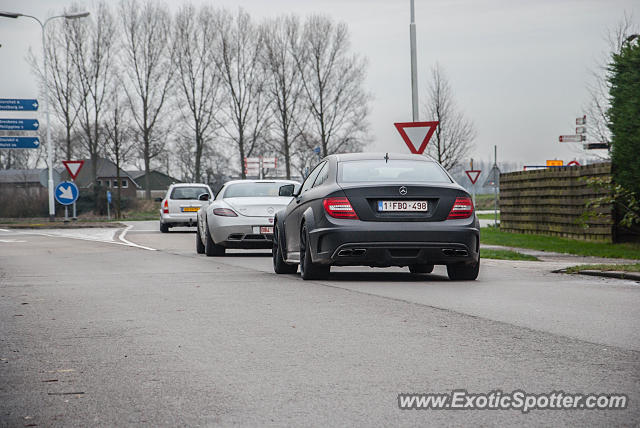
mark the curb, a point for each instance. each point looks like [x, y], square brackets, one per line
[634, 276]
[612, 274]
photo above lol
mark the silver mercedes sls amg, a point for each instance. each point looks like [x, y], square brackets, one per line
[241, 215]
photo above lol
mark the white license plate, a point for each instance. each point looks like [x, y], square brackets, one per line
[263, 229]
[403, 206]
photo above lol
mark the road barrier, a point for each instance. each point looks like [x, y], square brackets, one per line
[552, 202]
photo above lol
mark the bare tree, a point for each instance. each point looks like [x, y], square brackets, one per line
[454, 135]
[198, 78]
[149, 72]
[62, 78]
[119, 140]
[237, 58]
[93, 42]
[333, 80]
[598, 104]
[281, 38]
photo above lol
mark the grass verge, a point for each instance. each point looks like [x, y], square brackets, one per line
[634, 267]
[485, 201]
[506, 255]
[488, 216]
[493, 236]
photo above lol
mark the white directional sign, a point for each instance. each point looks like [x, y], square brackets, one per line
[581, 129]
[581, 120]
[270, 163]
[572, 138]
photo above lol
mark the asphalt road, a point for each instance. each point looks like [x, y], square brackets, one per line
[102, 328]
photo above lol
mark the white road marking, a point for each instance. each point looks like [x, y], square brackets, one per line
[4, 230]
[9, 241]
[124, 240]
[97, 235]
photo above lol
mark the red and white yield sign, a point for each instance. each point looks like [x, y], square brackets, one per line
[473, 175]
[416, 134]
[73, 167]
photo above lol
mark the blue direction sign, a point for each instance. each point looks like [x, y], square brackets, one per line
[19, 124]
[66, 193]
[10, 104]
[19, 142]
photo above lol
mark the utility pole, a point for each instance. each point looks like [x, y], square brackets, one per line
[495, 188]
[414, 65]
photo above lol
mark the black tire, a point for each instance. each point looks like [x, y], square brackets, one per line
[210, 247]
[421, 268]
[199, 244]
[463, 271]
[279, 265]
[308, 269]
[164, 228]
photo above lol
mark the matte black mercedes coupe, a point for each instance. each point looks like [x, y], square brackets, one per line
[377, 210]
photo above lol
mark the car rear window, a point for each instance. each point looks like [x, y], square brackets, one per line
[392, 171]
[245, 190]
[188, 192]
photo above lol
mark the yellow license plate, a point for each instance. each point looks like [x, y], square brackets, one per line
[190, 209]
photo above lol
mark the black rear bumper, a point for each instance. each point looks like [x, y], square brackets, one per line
[396, 244]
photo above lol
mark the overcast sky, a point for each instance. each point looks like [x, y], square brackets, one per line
[518, 68]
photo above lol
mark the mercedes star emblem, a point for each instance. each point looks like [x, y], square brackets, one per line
[402, 190]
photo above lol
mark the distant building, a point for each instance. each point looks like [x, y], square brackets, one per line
[159, 182]
[106, 177]
[25, 179]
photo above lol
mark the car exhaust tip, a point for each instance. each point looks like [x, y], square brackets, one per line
[356, 252]
[450, 252]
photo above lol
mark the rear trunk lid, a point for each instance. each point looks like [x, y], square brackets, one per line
[258, 206]
[366, 200]
[185, 206]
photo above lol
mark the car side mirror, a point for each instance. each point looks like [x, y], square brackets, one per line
[287, 190]
[204, 197]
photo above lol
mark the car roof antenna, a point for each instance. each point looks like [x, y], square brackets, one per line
[386, 158]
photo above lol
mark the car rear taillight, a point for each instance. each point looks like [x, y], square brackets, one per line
[462, 208]
[339, 208]
[225, 212]
[165, 207]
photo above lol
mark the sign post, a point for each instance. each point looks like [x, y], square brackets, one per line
[66, 193]
[108, 205]
[494, 180]
[73, 168]
[473, 175]
[416, 135]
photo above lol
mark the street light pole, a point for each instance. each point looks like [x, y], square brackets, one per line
[414, 65]
[52, 207]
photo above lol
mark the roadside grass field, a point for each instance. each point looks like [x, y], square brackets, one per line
[485, 201]
[506, 255]
[488, 216]
[493, 236]
[633, 267]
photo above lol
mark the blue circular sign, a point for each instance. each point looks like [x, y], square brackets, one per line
[66, 193]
